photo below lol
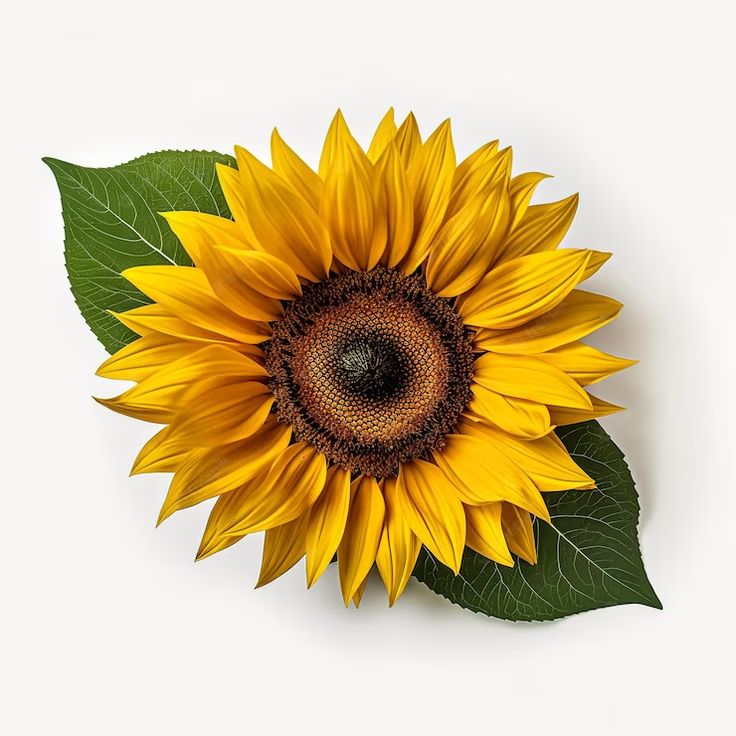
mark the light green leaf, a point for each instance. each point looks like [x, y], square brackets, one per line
[111, 223]
[588, 556]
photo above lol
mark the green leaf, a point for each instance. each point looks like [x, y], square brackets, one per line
[588, 556]
[111, 223]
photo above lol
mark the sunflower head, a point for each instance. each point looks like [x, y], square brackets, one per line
[369, 357]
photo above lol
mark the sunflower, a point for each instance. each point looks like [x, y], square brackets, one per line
[368, 358]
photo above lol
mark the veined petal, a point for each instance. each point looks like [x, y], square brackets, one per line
[544, 460]
[399, 202]
[399, 546]
[466, 173]
[199, 232]
[520, 290]
[464, 248]
[520, 417]
[222, 411]
[521, 189]
[292, 169]
[485, 533]
[482, 171]
[408, 140]
[285, 225]
[577, 315]
[213, 471]
[157, 397]
[145, 356]
[483, 474]
[584, 363]
[385, 133]
[283, 547]
[230, 283]
[291, 486]
[358, 596]
[519, 532]
[351, 204]
[154, 318]
[327, 520]
[236, 198]
[187, 293]
[529, 378]
[357, 551]
[430, 179]
[597, 259]
[542, 228]
[572, 415]
[263, 272]
[156, 456]
[429, 502]
[330, 146]
[216, 537]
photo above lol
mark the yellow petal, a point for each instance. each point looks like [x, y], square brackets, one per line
[384, 134]
[292, 485]
[529, 378]
[157, 398]
[327, 522]
[216, 537]
[264, 273]
[222, 411]
[429, 502]
[570, 415]
[283, 547]
[357, 551]
[481, 156]
[145, 356]
[520, 417]
[483, 474]
[597, 259]
[156, 456]
[544, 460]
[481, 171]
[230, 282]
[285, 225]
[292, 169]
[430, 179]
[485, 533]
[519, 532]
[154, 318]
[520, 290]
[237, 200]
[351, 204]
[408, 140]
[399, 203]
[358, 597]
[330, 145]
[216, 470]
[464, 248]
[542, 228]
[521, 189]
[399, 546]
[579, 314]
[584, 363]
[187, 293]
[199, 232]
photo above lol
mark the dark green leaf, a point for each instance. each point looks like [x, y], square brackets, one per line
[111, 223]
[588, 556]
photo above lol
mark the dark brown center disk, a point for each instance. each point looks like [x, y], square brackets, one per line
[371, 368]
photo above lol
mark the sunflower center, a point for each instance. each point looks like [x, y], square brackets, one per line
[371, 368]
[371, 365]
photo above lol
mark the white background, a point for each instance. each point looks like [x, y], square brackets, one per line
[115, 630]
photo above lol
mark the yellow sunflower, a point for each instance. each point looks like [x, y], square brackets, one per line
[368, 358]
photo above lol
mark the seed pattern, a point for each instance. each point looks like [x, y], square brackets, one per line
[371, 368]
